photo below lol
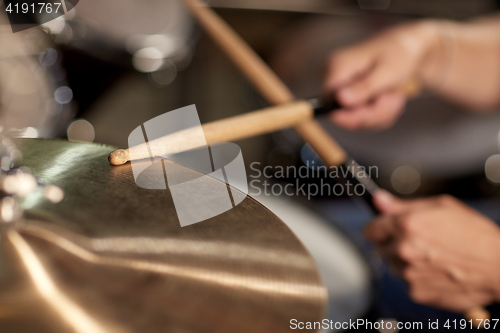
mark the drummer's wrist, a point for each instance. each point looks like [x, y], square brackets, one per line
[439, 40]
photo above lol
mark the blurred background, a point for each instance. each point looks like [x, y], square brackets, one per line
[97, 72]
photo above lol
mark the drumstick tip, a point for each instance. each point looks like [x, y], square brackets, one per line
[119, 157]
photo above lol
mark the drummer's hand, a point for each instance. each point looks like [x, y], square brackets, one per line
[448, 253]
[365, 77]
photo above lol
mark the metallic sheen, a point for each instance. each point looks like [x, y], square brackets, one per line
[111, 257]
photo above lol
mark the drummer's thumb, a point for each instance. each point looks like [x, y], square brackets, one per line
[387, 204]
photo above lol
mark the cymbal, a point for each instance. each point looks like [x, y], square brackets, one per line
[112, 257]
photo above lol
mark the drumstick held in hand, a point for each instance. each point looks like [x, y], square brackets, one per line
[244, 126]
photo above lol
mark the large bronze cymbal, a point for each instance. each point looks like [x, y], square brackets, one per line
[112, 257]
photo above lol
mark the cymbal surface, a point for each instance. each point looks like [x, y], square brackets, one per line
[112, 257]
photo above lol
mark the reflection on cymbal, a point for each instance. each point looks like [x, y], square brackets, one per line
[112, 257]
[196, 274]
[64, 306]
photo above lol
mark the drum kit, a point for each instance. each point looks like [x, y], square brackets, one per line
[84, 249]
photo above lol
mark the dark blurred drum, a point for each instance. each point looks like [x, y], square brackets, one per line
[156, 33]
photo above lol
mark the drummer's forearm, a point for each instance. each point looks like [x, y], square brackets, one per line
[465, 66]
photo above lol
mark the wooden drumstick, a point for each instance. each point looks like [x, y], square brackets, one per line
[229, 129]
[276, 92]
[296, 113]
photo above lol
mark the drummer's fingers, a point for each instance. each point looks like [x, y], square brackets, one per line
[396, 265]
[430, 276]
[381, 229]
[402, 249]
[345, 65]
[351, 119]
[379, 79]
[384, 110]
[388, 204]
[382, 113]
[459, 301]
